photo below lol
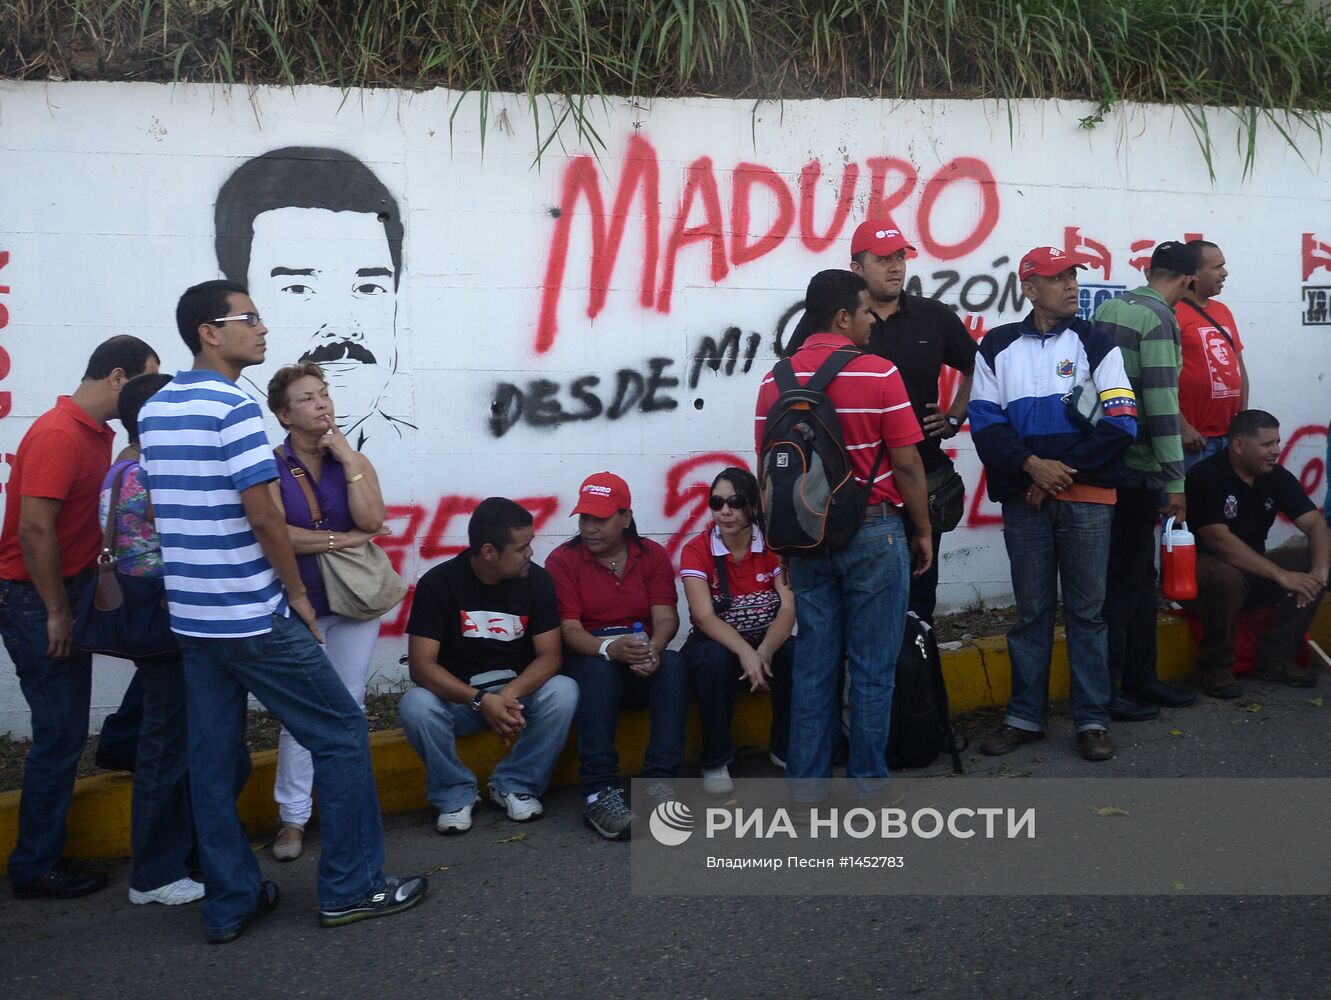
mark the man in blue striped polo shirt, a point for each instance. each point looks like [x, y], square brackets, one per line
[232, 583]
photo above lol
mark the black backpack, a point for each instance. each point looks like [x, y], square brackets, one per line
[921, 727]
[921, 724]
[811, 502]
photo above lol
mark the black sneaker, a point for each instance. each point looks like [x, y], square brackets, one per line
[609, 815]
[397, 894]
[268, 897]
[64, 881]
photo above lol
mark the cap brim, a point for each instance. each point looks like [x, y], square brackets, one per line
[594, 509]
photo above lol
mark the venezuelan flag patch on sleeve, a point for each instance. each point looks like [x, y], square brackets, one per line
[1119, 403]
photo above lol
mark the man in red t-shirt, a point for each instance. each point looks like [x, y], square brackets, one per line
[48, 545]
[1213, 385]
[855, 598]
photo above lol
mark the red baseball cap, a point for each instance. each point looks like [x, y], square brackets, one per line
[880, 238]
[602, 494]
[1048, 262]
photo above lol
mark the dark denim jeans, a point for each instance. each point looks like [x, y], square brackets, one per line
[118, 742]
[603, 688]
[161, 825]
[287, 671]
[854, 599]
[924, 588]
[57, 692]
[717, 681]
[1130, 600]
[1067, 543]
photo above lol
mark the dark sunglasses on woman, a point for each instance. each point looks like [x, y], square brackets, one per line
[733, 502]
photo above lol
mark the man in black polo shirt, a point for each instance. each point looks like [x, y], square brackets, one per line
[1233, 498]
[919, 336]
[485, 652]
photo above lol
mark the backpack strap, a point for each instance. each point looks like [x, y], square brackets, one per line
[831, 368]
[303, 481]
[784, 375]
[723, 576]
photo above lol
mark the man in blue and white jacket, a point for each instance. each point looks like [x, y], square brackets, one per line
[1052, 415]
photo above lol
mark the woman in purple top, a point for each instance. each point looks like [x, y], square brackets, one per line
[346, 489]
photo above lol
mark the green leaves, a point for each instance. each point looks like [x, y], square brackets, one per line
[1264, 61]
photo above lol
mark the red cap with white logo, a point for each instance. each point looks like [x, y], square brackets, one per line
[880, 238]
[1048, 262]
[602, 494]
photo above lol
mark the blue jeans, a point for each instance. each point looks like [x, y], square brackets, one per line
[161, 827]
[433, 725]
[57, 692]
[1214, 445]
[853, 599]
[287, 671]
[1067, 543]
[717, 680]
[603, 687]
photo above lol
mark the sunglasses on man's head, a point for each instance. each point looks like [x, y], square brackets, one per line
[734, 502]
[249, 319]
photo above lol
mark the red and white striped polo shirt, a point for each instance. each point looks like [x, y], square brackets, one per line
[871, 403]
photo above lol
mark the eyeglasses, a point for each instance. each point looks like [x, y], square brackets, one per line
[250, 319]
[733, 502]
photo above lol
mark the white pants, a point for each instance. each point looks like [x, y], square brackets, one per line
[349, 645]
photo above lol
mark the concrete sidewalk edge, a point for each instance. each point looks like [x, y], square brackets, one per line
[978, 675]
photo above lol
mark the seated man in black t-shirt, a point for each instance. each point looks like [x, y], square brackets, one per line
[485, 651]
[1233, 498]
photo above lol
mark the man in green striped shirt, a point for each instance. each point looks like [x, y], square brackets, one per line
[1143, 324]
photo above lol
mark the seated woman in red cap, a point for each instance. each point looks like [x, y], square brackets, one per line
[743, 612]
[617, 610]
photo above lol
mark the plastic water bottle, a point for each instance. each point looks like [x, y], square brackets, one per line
[640, 636]
[1178, 562]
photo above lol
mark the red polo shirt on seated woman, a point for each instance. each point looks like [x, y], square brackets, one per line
[607, 577]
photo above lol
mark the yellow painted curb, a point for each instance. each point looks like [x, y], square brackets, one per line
[978, 675]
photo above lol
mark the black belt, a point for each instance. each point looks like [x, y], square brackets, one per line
[875, 510]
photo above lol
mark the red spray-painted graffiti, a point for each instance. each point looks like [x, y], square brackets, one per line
[1098, 255]
[1316, 254]
[1312, 474]
[891, 182]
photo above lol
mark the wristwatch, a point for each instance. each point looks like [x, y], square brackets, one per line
[953, 422]
[605, 647]
[477, 698]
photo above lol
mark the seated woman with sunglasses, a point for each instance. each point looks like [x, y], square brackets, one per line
[607, 580]
[743, 612]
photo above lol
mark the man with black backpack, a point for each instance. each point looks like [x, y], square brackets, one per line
[836, 443]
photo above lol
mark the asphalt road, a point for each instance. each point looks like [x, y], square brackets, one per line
[551, 914]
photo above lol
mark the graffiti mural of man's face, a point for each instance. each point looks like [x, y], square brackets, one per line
[328, 292]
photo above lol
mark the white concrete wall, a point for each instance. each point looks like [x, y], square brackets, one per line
[107, 196]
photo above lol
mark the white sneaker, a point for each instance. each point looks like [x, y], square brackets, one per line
[186, 890]
[457, 821]
[716, 780]
[520, 807]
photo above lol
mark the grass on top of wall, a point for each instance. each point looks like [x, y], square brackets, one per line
[1270, 59]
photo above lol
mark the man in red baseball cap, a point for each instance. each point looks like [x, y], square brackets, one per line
[1054, 465]
[919, 335]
